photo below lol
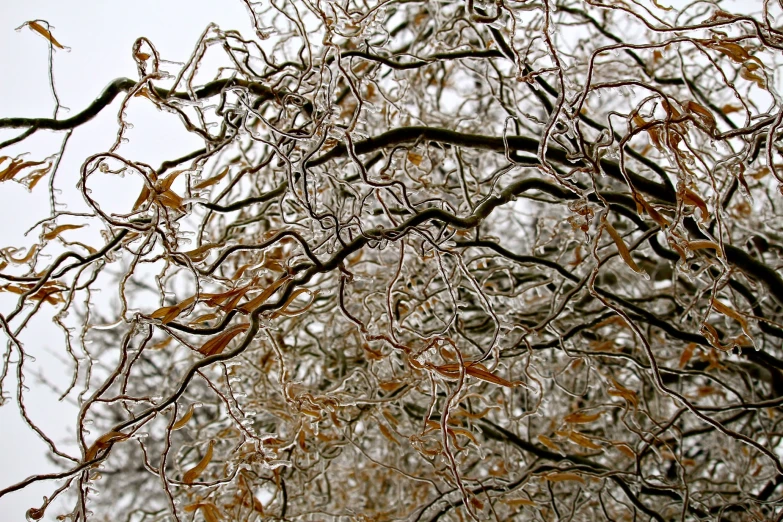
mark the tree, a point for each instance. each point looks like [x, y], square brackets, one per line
[434, 260]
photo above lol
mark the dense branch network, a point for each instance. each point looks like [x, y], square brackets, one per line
[435, 260]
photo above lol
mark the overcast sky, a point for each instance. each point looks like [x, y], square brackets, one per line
[99, 35]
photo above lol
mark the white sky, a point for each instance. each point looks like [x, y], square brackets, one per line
[100, 34]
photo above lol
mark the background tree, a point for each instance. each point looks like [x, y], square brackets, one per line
[434, 260]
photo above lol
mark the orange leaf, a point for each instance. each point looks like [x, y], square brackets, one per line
[195, 472]
[38, 28]
[217, 344]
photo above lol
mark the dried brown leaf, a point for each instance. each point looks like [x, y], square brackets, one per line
[104, 441]
[211, 181]
[195, 472]
[217, 344]
[582, 418]
[38, 28]
[184, 419]
[58, 230]
[561, 477]
[622, 248]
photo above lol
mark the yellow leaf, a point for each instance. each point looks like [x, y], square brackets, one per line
[582, 418]
[195, 472]
[217, 344]
[659, 6]
[184, 420]
[622, 249]
[57, 230]
[38, 28]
